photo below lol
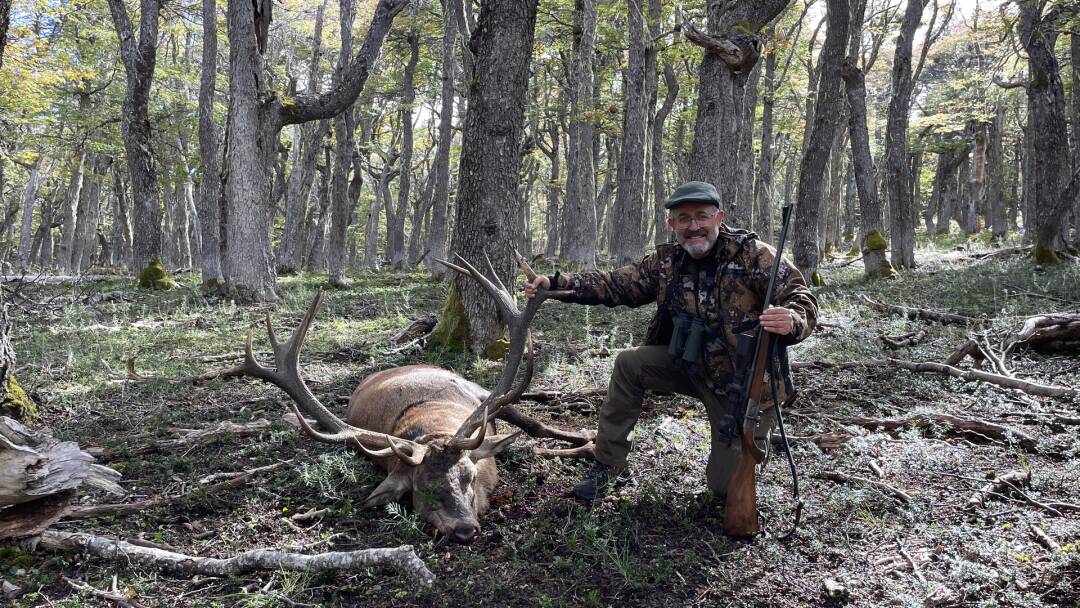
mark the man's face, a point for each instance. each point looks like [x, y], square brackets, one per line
[696, 226]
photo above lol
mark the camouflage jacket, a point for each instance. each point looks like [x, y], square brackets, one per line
[726, 289]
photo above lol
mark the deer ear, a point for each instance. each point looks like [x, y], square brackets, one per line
[391, 489]
[495, 444]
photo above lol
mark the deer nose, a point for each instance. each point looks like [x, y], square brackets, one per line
[465, 533]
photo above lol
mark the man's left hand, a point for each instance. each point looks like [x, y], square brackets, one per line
[778, 320]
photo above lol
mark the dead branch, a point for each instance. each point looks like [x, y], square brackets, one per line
[539, 430]
[885, 488]
[1044, 538]
[120, 598]
[921, 313]
[83, 511]
[545, 396]
[995, 359]
[1032, 388]
[419, 327]
[190, 437]
[908, 339]
[403, 558]
[1009, 481]
[1003, 251]
[982, 428]
[582, 451]
[1047, 332]
[968, 348]
[911, 562]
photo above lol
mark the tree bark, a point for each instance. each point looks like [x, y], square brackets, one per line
[578, 246]
[627, 243]
[71, 204]
[139, 58]
[209, 202]
[437, 233]
[872, 229]
[396, 232]
[897, 178]
[88, 215]
[995, 162]
[490, 161]
[763, 189]
[660, 189]
[1050, 161]
[5, 19]
[826, 116]
[121, 239]
[734, 50]
[29, 198]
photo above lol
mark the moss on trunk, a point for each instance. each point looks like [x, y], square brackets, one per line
[154, 276]
[16, 403]
[452, 331]
[1044, 255]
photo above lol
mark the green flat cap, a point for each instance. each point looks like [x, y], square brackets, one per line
[693, 192]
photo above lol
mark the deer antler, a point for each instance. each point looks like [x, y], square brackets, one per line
[520, 338]
[287, 377]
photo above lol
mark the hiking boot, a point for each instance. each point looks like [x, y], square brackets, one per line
[596, 483]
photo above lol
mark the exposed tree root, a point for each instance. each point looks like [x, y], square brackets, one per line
[908, 339]
[844, 478]
[982, 428]
[403, 558]
[921, 313]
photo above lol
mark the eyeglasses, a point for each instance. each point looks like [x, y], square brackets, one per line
[702, 219]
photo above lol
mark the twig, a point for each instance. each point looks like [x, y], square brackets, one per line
[116, 596]
[997, 486]
[921, 313]
[1044, 538]
[911, 562]
[838, 477]
[80, 512]
[967, 425]
[403, 558]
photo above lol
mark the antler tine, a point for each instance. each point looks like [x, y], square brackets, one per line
[491, 269]
[524, 266]
[471, 443]
[502, 297]
[498, 399]
[357, 435]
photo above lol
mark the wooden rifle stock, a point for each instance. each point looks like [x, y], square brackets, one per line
[740, 511]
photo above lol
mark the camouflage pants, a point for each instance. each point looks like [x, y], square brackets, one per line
[650, 368]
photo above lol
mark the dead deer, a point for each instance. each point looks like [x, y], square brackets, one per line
[431, 429]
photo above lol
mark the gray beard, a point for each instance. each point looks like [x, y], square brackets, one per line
[695, 250]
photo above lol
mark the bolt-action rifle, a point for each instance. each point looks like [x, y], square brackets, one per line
[755, 358]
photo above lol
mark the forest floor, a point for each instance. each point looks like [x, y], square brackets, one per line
[655, 542]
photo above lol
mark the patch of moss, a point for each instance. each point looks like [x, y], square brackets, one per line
[213, 287]
[875, 241]
[452, 330]
[816, 279]
[17, 403]
[155, 277]
[1045, 256]
[497, 350]
[13, 558]
[827, 251]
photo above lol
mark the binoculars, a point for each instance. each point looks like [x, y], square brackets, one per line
[687, 339]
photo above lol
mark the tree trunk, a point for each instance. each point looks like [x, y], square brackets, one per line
[763, 189]
[5, 18]
[209, 203]
[1074, 55]
[722, 76]
[308, 141]
[139, 58]
[872, 229]
[995, 161]
[660, 189]
[897, 177]
[437, 236]
[396, 233]
[947, 183]
[121, 239]
[345, 145]
[89, 214]
[578, 246]
[316, 258]
[973, 196]
[1053, 196]
[29, 198]
[627, 244]
[490, 159]
[813, 164]
[71, 204]
[256, 116]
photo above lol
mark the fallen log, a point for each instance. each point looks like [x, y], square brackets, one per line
[982, 428]
[921, 313]
[403, 558]
[42, 473]
[1047, 332]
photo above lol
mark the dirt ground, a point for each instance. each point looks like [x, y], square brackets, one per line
[657, 540]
